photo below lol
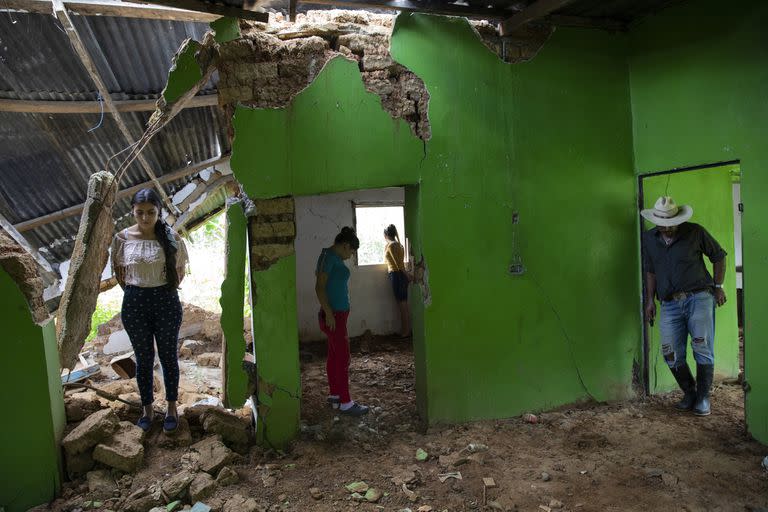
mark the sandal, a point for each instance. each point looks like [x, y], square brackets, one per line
[170, 424]
[144, 423]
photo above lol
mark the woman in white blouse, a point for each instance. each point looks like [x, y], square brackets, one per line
[148, 260]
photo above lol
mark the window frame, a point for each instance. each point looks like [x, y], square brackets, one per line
[378, 204]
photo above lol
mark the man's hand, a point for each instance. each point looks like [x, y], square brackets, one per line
[650, 311]
[720, 296]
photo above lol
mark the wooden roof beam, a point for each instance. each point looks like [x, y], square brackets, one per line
[77, 209]
[110, 8]
[218, 9]
[81, 51]
[416, 6]
[534, 11]
[93, 107]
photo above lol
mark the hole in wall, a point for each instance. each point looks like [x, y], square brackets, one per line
[382, 373]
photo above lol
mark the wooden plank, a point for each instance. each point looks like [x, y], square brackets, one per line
[207, 189]
[93, 107]
[534, 11]
[110, 8]
[218, 9]
[414, 6]
[85, 58]
[77, 209]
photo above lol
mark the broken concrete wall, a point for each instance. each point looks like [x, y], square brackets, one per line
[20, 265]
[505, 138]
[89, 257]
[30, 387]
[271, 235]
[272, 231]
[270, 64]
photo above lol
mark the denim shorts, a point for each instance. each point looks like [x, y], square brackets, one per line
[399, 285]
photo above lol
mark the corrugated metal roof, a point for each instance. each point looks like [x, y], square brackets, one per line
[46, 159]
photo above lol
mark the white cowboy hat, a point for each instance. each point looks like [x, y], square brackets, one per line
[666, 213]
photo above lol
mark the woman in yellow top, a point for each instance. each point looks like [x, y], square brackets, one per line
[394, 255]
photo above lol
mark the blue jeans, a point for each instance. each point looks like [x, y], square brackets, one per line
[694, 315]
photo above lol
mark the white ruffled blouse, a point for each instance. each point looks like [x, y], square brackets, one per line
[141, 263]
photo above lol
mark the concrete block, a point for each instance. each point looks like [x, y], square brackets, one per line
[92, 430]
[214, 455]
[202, 487]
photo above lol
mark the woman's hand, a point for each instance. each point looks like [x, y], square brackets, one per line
[330, 321]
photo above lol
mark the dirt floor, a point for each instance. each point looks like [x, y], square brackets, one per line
[636, 455]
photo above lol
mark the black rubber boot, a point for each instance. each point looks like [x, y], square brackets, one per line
[704, 375]
[685, 380]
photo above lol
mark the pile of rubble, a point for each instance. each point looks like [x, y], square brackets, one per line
[106, 453]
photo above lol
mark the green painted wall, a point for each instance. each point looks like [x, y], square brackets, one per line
[184, 73]
[698, 88]
[416, 299]
[550, 139]
[232, 301]
[709, 192]
[226, 29]
[276, 342]
[29, 470]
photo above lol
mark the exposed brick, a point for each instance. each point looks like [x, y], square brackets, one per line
[271, 252]
[273, 229]
[273, 206]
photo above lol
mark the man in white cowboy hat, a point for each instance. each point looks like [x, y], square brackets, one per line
[675, 273]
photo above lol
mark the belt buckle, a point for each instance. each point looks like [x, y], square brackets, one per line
[679, 296]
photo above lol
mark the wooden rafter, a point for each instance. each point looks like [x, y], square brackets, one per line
[93, 107]
[110, 8]
[431, 7]
[538, 9]
[77, 209]
[85, 58]
[219, 9]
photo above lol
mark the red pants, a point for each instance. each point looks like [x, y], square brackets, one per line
[337, 365]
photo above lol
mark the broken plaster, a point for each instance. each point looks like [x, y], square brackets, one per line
[270, 64]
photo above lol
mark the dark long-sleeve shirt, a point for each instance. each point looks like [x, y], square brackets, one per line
[679, 267]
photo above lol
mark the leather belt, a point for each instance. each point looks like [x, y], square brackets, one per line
[685, 295]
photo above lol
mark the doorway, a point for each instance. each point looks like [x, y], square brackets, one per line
[382, 368]
[714, 193]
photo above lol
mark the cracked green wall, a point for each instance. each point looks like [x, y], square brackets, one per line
[698, 83]
[232, 301]
[31, 384]
[550, 139]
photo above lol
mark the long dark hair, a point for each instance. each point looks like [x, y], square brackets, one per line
[391, 233]
[163, 232]
[348, 236]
